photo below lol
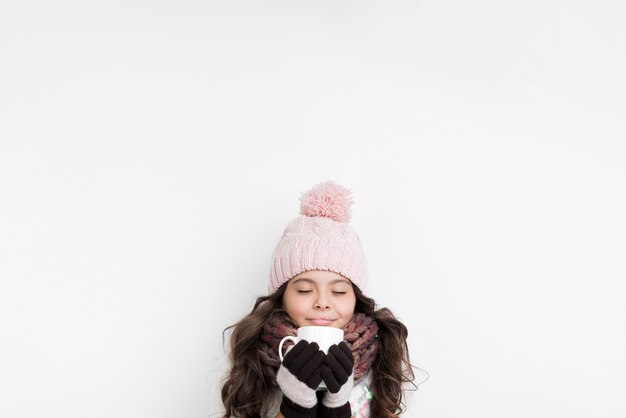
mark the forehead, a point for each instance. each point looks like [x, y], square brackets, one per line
[319, 277]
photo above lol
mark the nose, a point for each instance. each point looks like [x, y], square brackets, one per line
[322, 304]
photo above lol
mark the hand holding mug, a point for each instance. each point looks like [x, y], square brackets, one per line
[319, 353]
[298, 377]
[324, 337]
[337, 372]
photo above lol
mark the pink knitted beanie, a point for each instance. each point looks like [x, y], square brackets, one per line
[320, 239]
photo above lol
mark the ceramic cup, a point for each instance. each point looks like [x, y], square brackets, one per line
[323, 336]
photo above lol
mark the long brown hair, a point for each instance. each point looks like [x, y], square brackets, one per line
[250, 382]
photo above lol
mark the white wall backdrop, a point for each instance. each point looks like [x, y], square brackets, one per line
[151, 154]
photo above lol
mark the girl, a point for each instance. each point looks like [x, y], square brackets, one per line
[318, 277]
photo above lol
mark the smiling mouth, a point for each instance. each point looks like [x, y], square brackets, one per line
[321, 321]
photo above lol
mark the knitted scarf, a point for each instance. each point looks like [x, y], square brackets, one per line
[359, 334]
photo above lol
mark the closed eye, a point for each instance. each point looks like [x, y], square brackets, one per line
[339, 293]
[304, 291]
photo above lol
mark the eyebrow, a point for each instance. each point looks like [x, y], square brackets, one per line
[306, 279]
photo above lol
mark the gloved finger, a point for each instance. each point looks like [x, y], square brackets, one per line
[314, 380]
[346, 350]
[312, 365]
[329, 378]
[338, 358]
[339, 373]
[294, 352]
[303, 357]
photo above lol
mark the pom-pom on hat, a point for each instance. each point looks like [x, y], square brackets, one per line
[320, 239]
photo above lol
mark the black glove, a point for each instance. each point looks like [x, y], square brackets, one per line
[298, 377]
[337, 374]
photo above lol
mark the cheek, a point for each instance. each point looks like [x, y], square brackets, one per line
[347, 307]
[292, 305]
[295, 311]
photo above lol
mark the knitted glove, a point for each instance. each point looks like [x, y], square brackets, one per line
[337, 374]
[298, 377]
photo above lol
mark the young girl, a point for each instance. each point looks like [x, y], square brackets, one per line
[318, 277]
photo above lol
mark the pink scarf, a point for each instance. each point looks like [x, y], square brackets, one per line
[359, 334]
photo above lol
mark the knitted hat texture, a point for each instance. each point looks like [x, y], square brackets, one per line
[320, 239]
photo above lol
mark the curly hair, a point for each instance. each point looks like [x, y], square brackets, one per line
[250, 382]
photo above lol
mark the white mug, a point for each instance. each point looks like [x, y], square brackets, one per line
[323, 336]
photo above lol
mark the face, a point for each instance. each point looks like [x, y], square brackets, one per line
[319, 298]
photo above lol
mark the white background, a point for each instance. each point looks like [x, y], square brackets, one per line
[151, 154]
